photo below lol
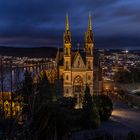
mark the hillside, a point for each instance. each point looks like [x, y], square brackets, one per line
[29, 52]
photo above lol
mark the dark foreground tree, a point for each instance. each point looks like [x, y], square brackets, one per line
[46, 89]
[27, 93]
[104, 105]
[67, 102]
[49, 123]
[90, 117]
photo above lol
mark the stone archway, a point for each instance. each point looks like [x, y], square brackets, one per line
[78, 90]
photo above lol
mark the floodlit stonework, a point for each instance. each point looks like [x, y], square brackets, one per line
[76, 67]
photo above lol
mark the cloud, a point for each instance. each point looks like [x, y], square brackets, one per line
[30, 20]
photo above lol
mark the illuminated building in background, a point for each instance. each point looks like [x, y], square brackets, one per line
[5, 106]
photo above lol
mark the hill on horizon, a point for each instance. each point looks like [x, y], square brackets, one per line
[49, 52]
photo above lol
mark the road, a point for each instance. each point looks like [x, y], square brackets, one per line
[122, 121]
[126, 116]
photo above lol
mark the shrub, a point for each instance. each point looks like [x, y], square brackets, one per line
[104, 105]
[67, 102]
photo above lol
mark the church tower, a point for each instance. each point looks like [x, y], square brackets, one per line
[89, 42]
[89, 46]
[67, 59]
[76, 67]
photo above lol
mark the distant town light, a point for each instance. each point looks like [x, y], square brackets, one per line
[126, 51]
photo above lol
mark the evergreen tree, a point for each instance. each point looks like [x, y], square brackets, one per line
[45, 88]
[27, 86]
[27, 93]
[87, 101]
[49, 123]
[104, 105]
[91, 117]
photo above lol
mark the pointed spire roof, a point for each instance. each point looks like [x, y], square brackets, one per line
[89, 22]
[67, 22]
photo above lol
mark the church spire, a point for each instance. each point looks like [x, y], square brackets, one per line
[89, 41]
[67, 38]
[67, 22]
[89, 22]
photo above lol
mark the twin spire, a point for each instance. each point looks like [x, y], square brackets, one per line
[89, 22]
[67, 22]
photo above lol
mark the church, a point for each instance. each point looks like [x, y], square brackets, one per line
[76, 68]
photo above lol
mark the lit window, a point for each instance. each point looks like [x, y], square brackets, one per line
[89, 77]
[66, 51]
[89, 65]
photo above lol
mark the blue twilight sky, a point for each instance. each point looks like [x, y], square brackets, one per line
[25, 23]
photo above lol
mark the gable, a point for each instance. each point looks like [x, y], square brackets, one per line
[78, 61]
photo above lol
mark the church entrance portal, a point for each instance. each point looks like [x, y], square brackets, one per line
[78, 90]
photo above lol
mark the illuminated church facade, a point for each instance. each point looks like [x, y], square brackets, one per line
[76, 68]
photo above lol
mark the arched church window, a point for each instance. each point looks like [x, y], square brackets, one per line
[78, 63]
[67, 77]
[89, 77]
[89, 66]
[67, 65]
[66, 51]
